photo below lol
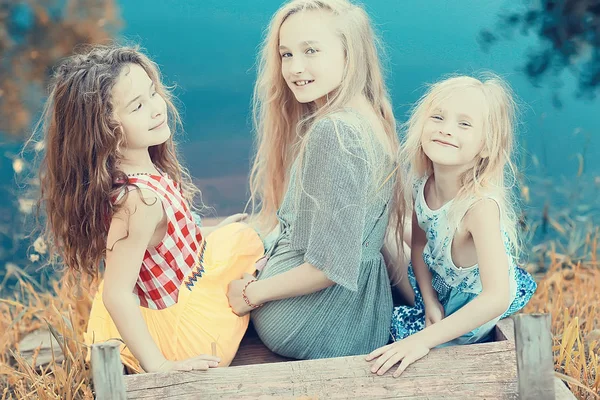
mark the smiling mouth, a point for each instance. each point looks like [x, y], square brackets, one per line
[159, 125]
[441, 142]
[303, 83]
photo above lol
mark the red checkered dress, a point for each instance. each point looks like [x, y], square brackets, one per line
[166, 266]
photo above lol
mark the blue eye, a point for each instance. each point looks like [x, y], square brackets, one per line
[286, 55]
[311, 51]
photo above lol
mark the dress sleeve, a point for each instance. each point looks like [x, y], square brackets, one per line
[332, 202]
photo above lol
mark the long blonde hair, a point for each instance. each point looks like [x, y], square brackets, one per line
[79, 172]
[283, 125]
[493, 175]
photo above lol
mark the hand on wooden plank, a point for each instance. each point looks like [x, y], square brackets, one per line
[199, 363]
[405, 352]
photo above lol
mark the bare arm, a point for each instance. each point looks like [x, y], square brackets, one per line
[483, 223]
[136, 224]
[299, 281]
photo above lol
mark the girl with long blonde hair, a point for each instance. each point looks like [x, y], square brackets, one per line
[322, 177]
[465, 246]
[114, 193]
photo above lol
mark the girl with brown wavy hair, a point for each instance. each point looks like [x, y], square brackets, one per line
[114, 193]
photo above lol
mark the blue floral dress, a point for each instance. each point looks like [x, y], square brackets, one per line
[455, 286]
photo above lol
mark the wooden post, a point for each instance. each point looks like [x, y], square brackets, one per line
[107, 371]
[535, 365]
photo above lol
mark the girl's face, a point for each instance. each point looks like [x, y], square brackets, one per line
[140, 110]
[312, 55]
[453, 132]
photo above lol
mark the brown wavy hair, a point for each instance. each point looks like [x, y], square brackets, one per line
[79, 172]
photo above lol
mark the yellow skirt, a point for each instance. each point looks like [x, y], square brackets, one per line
[202, 315]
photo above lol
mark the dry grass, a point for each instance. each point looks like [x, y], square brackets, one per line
[65, 311]
[569, 290]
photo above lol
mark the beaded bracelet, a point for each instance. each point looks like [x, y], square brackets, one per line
[253, 306]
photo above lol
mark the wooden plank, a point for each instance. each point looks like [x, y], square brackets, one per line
[485, 370]
[505, 330]
[107, 371]
[535, 364]
[49, 348]
[562, 391]
[253, 351]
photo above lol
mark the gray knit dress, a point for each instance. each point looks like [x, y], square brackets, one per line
[336, 222]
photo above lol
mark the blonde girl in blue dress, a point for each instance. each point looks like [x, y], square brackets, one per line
[459, 143]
